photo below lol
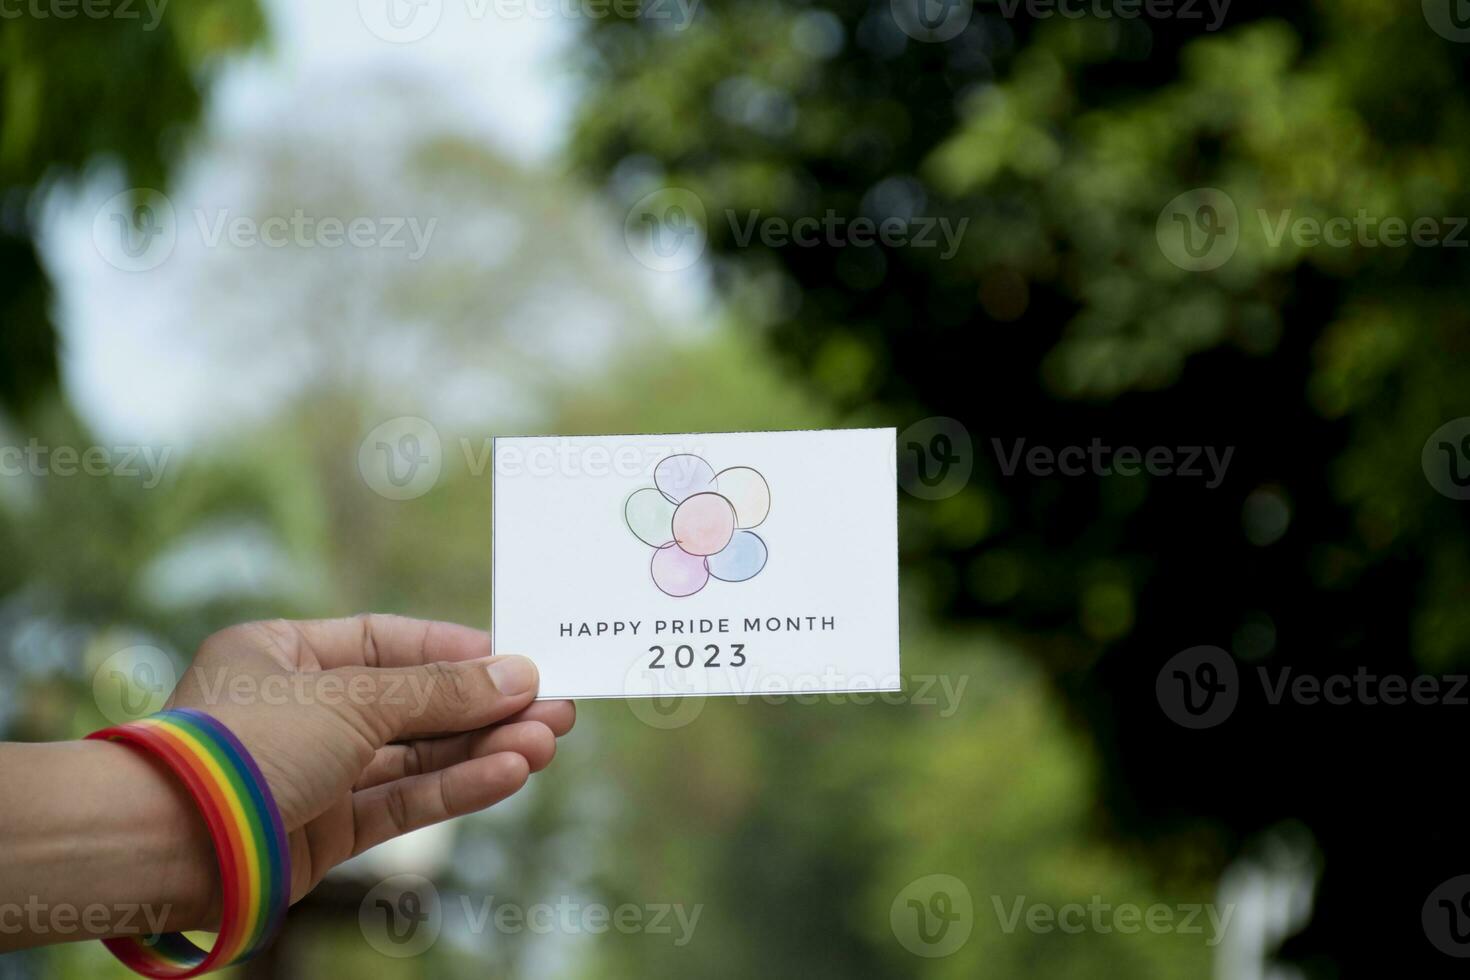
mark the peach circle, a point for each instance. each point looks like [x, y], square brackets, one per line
[704, 523]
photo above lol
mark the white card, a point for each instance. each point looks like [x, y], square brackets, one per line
[728, 563]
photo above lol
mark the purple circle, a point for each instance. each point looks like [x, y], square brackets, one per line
[678, 573]
[682, 476]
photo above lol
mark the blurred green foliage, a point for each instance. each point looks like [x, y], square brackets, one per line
[1065, 317]
[79, 92]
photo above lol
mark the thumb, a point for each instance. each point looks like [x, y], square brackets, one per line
[448, 696]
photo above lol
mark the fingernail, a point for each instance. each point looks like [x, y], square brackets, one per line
[512, 675]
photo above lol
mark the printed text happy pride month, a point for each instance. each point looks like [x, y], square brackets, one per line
[702, 627]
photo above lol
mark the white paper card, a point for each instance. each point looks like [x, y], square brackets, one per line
[706, 563]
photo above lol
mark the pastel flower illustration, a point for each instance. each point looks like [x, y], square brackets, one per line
[698, 523]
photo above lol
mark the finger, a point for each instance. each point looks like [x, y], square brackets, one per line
[559, 716]
[379, 640]
[531, 740]
[387, 811]
[441, 698]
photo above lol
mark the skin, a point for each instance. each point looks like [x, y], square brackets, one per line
[364, 728]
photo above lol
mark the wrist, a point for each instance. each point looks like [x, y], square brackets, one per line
[127, 854]
[161, 826]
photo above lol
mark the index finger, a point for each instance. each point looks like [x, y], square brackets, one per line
[380, 640]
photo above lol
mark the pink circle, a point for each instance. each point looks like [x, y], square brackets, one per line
[704, 523]
[677, 572]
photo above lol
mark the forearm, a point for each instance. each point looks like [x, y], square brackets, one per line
[97, 840]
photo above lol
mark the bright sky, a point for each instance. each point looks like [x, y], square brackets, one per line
[130, 366]
[500, 71]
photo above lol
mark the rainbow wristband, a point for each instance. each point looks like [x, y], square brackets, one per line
[249, 838]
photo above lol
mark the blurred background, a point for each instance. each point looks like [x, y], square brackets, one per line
[1166, 300]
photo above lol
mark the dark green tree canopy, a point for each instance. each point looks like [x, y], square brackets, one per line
[1062, 319]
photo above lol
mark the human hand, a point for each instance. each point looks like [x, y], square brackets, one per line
[370, 727]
